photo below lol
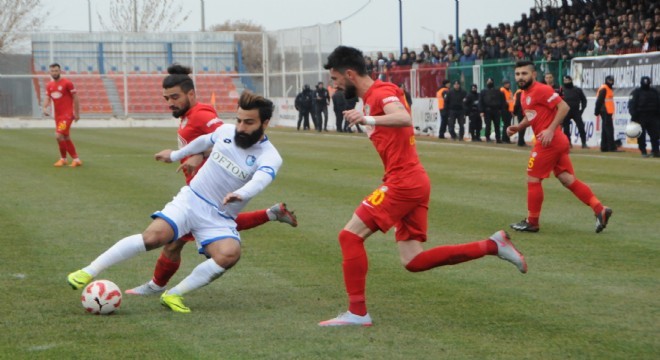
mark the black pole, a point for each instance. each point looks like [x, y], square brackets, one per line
[400, 28]
[458, 44]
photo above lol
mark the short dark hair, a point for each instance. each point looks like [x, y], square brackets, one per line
[445, 82]
[179, 75]
[343, 58]
[523, 63]
[250, 101]
[54, 65]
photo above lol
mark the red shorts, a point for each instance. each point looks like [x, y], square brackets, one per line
[404, 206]
[63, 125]
[187, 237]
[553, 158]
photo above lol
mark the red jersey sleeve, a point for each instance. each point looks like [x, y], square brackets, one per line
[70, 87]
[548, 97]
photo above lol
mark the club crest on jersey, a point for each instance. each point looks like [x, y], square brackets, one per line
[534, 154]
[251, 159]
[227, 141]
[227, 164]
[367, 109]
[528, 100]
[530, 114]
[184, 122]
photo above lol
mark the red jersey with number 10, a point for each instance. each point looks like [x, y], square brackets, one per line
[395, 145]
[539, 104]
[199, 120]
[61, 92]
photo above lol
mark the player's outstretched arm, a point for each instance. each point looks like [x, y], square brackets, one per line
[164, 156]
[515, 128]
[396, 115]
[197, 146]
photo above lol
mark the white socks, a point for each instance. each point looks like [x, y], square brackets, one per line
[202, 275]
[123, 249]
[271, 215]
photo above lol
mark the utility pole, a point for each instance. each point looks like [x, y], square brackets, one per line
[458, 41]
[401, 28]
[89, 14]
[203, 16]
[135, 21]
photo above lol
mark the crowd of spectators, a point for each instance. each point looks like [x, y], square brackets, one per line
[583, 28]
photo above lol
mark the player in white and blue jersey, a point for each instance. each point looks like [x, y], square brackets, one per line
[241, 164]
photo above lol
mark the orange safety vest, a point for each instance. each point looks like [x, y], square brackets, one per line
[440, 95]
[508, 97]
[515, 96]
[609, 98]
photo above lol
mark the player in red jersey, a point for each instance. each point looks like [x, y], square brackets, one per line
[544, 111]
[196, 119]
[65, 101]
[402, 200]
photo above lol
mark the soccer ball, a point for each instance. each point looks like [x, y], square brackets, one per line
[101, 297]
[633, 130]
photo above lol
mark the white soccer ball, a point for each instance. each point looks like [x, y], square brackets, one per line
[101, 297]
[633, 130]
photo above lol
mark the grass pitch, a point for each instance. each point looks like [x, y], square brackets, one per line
[586, 296]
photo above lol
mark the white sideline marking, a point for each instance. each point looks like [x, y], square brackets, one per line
[42, 347]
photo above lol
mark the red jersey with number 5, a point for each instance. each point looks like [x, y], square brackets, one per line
[199, 120]
[61, 92]
[395, 145]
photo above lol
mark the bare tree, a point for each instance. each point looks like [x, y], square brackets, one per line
[144, 16]
[250, 39]
[17, 19]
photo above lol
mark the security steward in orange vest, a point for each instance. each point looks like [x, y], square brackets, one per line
[605, 109]
[440, 95]
[507, 112]
[517, 112]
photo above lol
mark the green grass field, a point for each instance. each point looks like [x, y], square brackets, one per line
[586, 296]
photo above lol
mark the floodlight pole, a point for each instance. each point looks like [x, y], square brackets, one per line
[458, 42]
[89, 14]
[135, 21]
[203, 24]
[401, 28]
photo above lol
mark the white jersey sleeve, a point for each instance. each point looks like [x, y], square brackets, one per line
[264, 175]
[199, 145]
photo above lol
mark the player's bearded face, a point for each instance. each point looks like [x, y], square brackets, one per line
[350, 91]
[55, 73]
[524, 84]
[245, 139]
[178, 111]
[524, 77]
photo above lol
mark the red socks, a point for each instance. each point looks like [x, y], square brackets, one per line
[584, 193]
[451, 254]
[62, 145]
[578, 188]
[165, 269]
[71, 149]
[534, 202]
[355, 266]
[248, 220]
[67, 146]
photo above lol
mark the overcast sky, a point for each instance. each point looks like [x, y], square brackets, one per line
[375, 27]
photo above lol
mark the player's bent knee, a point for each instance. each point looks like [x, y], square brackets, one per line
[156, 238]
[225, 253]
